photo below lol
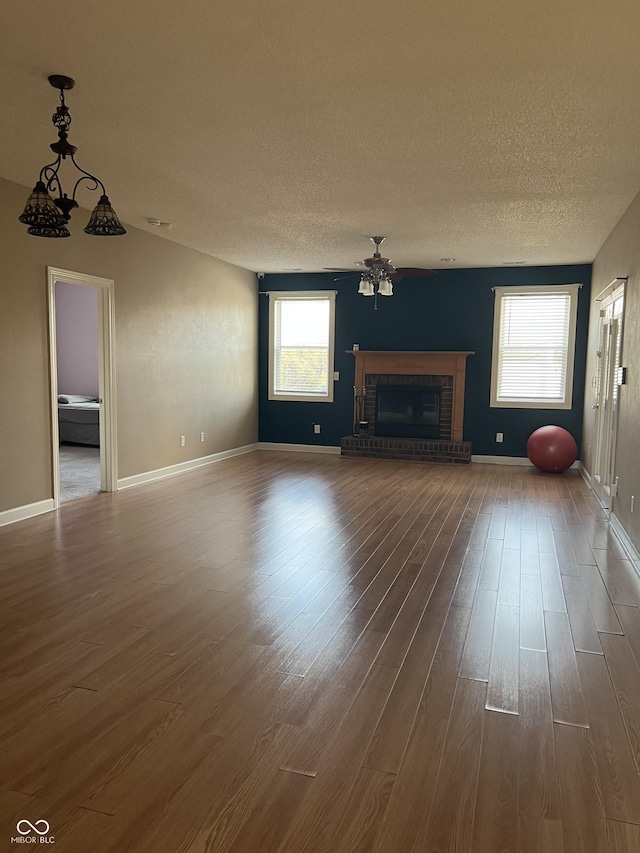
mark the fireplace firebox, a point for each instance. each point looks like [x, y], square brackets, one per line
[408, 411]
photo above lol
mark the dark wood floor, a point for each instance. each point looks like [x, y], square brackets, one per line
[288, 652]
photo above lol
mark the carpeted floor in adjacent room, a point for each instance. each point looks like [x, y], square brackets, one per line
[79, 471]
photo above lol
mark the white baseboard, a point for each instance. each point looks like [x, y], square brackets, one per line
[627, 544]
[19, 513]
[299, 448]
[509, 460]
[586, 476]
[501, 460]
[170, 470]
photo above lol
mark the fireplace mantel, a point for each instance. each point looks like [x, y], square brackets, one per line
[411, 362]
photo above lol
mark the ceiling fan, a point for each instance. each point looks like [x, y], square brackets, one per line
[380, 274]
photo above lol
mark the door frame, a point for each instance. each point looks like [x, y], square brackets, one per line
[106, 376]
[610, 354]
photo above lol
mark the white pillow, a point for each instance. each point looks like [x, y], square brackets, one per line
[75, 398]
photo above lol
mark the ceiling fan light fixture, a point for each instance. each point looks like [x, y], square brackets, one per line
[366, 286]
[385, 288]
[380, 274]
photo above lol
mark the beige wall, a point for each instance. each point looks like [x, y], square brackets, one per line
[186, 349]
[620, 256]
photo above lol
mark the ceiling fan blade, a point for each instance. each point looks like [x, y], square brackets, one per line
[339, 269]
[395, 277]
[416, 272]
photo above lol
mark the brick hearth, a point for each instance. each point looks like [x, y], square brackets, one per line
[411, 449]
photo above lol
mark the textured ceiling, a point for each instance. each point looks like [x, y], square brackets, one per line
[280, 135]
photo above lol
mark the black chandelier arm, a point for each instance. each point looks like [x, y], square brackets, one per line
[86, 176]
[49, 175]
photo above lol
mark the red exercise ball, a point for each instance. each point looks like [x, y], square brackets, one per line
[552, 448]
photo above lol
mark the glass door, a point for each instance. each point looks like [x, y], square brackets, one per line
[609, 378]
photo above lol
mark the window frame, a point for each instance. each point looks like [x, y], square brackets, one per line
[300, 295]
[535, 289]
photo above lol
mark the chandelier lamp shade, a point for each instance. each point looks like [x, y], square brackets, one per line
[47, 215]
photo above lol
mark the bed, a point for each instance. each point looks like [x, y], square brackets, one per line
[79, 419]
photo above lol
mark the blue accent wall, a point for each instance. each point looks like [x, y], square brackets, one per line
[450, 311]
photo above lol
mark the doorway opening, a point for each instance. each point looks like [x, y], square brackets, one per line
[82, 384]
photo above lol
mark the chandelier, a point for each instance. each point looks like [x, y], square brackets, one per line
[47, 216]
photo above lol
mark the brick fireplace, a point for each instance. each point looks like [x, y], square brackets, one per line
[408, 372]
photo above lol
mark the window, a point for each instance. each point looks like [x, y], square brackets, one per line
[533, 346]
[301, 326]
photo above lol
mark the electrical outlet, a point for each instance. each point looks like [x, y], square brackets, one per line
[336, 375]
[633, 503]
[201, 436]
[183, 440]
[499, 437]
[316, 429]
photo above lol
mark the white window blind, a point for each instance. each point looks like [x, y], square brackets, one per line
[534, 339]
[301, 346]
